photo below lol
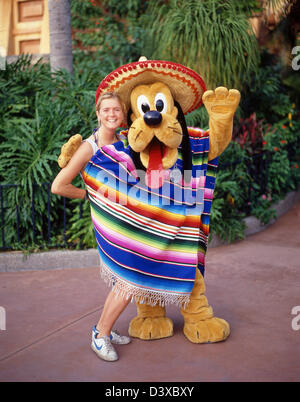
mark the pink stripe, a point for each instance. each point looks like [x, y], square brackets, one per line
[208, 193]
[143, 249]
[121, 157]
[201, 257]
[198, 182]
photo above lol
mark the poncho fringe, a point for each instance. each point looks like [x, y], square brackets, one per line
[150, 297]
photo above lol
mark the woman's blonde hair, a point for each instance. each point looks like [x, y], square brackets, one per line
[111, 95]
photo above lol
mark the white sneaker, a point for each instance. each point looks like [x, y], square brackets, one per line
[103, 348]
[115, 337]
[118, 339]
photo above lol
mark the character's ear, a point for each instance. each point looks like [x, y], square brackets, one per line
[129, 121]
[135, 155]
[185, 145]
[130, 117]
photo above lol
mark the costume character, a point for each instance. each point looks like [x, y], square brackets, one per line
[151, 192]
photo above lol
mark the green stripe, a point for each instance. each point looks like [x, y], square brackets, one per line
[136, 234]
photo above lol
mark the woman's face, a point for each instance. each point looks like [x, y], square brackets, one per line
[110, 114]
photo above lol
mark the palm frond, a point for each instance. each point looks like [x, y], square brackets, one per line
[214, 38]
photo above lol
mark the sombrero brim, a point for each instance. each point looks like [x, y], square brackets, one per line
[187, 87]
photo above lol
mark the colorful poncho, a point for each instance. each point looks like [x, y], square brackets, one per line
[151, 241]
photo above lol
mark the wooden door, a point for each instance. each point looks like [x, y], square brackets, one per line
[26, 26]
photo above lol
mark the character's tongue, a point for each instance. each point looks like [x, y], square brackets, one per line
[154, 175]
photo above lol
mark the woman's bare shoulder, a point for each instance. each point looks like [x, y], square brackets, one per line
[81, 156]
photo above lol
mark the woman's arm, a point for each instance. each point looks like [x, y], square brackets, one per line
[62, 184]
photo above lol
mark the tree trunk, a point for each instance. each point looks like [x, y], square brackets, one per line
[60, 35]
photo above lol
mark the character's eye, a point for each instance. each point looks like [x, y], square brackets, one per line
[159, 105]
[143, 104]
[160, 102]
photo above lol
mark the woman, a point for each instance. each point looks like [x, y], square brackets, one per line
[110, 115]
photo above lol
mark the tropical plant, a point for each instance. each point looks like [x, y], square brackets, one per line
[230, 196]
[255, 173]
[265, 94]
[250, 132]
[38, 113]
[81, 230]
[213, 37]
[108, 33]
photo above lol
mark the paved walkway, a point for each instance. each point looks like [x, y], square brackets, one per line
[254, 284]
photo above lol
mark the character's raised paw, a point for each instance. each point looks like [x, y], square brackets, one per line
[207, 331]
[68, 150]
[148, 328]
[221, 102]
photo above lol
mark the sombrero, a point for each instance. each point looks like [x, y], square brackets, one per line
[186, 85]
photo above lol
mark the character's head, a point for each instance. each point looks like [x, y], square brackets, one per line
[156, 95]
[154, 123]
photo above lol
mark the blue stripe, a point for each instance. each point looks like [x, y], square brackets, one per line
[156, 274]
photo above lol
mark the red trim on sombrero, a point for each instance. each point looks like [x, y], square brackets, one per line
[196, 103]
[170, 68]
[197, 132]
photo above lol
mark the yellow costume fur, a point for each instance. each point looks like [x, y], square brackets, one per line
[200, 325]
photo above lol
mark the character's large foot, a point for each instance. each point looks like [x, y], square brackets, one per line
[200, 325]
[207, 331]
[150, 323]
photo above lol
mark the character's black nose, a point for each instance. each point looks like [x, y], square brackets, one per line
[152, 118]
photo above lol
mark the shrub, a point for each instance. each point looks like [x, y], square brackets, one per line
[39, 111]
[107, 33]
[259, 168]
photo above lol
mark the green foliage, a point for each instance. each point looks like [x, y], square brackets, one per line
[18, 85]
[231, 191]
[81, 231]
[198, 118]
[39, 111]
[107, 34]
[213, 37]
[262, 209]
[265, 94]
[249, 134]
[256, 173]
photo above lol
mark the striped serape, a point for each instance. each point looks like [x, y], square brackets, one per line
[151, 241]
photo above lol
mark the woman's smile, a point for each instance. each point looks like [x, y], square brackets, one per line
[110, 114]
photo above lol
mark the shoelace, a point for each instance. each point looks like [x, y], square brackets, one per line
[107, 345]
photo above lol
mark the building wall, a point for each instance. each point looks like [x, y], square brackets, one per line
[24, 27]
